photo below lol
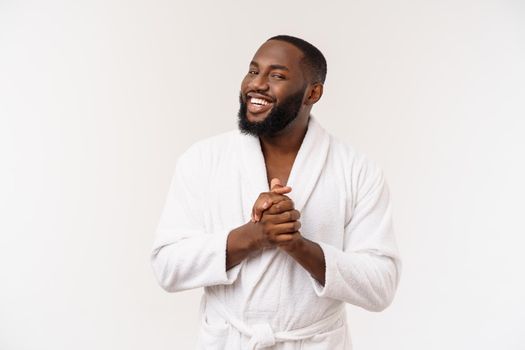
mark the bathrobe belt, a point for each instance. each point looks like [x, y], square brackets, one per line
[262, 335]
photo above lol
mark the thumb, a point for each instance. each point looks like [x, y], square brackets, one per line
[275, 182]
[277, 187]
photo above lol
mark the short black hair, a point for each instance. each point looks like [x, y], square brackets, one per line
[313, 58]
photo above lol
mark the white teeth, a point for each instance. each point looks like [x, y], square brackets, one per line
[258, 101]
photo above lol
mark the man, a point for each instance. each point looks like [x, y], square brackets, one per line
[280, 223]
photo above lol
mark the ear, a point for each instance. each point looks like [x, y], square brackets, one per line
[315, 93]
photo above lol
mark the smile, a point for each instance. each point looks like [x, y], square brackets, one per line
[258, 101]
[258, 105]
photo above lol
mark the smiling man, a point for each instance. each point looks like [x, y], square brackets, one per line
[280, 223]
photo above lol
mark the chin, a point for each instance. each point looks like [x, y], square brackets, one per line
[256, 118]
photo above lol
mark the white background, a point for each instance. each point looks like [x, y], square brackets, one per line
[98, 98]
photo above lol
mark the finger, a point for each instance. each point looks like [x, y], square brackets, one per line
[265, 201]
[275, 182]
[286, 237]
[287, 227]
[277, 187]
[287, 216]
[282, 190]
[259, 207]
[281, 207]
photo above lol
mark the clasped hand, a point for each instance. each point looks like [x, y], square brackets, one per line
[276, 221]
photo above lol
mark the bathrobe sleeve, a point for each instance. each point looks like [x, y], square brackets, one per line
[366, 271]
[185, 255]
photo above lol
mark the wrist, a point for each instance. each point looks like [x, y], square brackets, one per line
[296, 246]
[248, 238]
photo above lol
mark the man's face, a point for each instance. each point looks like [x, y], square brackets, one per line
[272, 92]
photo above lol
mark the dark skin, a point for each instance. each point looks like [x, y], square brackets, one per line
[275, 73]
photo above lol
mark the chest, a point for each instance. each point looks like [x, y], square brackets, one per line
[280, 173]
[279, 168]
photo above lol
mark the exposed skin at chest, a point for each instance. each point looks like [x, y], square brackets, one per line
[278, 174]
[279, 167]
[279, 160]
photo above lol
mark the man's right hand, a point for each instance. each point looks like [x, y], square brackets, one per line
[280, 218]
[277, 224]
[267, 199]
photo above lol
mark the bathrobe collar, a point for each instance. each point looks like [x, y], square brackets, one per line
[305, 171]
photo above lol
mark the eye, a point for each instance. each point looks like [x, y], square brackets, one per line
[278, 76]
[253, 72]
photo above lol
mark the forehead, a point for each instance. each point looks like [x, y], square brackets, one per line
[275, 52]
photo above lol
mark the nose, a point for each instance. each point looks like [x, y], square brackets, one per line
[259, 82]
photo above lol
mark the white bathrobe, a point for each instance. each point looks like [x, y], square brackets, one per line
[269, 300]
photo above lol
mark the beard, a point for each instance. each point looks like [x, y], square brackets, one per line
[280, 116]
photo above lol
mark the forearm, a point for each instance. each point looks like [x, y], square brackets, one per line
[310, 256]
[239, 245]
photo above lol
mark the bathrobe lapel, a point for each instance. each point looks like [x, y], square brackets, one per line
[308, 164]
[305, 172]
[253, 173]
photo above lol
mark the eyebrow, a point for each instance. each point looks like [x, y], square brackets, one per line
[272, 66]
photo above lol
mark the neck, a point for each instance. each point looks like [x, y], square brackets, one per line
[287, 142]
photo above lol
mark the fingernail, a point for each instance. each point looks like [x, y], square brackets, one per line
[265, 205]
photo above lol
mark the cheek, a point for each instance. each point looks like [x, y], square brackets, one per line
[280, 92]
[244, 83]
